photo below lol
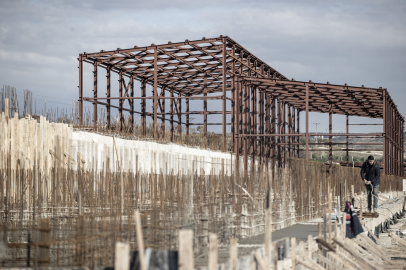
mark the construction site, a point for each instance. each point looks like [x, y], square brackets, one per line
[213, 171]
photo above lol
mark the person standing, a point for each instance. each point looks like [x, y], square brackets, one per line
[370, 174]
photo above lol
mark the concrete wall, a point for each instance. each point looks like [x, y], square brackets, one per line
[44, 143]
[149, 156]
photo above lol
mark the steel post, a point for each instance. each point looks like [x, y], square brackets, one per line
[330, 141]
[121, 101]
[267, 127]
[307, 122]
[132, 119]
[273, 131]
[187, 121]
[163, 111]
[237, 129]
[384, 158]
[279, 138]
[172, 115]
[346, 137]
[205, 120]
[95, 94]
[155, 89]
[298, 132]
[245, 123]
[80, 90]
[108, 95]
[224, 86]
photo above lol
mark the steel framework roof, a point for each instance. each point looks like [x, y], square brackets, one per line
[346, 100]
[190, 67]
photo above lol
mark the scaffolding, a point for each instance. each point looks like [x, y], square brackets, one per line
[260, 104]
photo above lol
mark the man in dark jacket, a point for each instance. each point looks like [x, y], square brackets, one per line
[370, 173]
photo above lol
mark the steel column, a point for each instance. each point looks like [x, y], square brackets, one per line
[233, 93]
[330, 141]
[253, 125]
[279, 130]
[241, 113]
[346, 137]
[246, 123]
[273, 131]
[267, 127]
[121, 101]
[384, 158]
[205, 119]
[108, 94]
[95, 94]
[80, 90]
[261, 126]
[132, 119]
[237, 131]
[179, 109]
[172, 115]
[155, 89]
[307, 122]
[163, 110]
[283, 132]
[224, 86]
[289, 130]
[298, 132]
[144, 108]
[187, 121]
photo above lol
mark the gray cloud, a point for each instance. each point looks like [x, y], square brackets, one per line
[354, 42]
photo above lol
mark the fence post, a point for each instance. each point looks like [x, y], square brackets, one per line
[140, 240]
[122, 256]
[186, 257]
[233, 254]
[213, 260]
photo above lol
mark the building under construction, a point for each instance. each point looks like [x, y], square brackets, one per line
[261, 106]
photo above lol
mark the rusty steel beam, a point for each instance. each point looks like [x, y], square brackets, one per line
[330, 141]
[95, 95]
[273, 131]
[172, 116]
[307, 122]
[143, 108]
[158, 98]
[121, 101]
[80, 101]
[298, 130]
[224, 85]
[108, 95]
[155, 92]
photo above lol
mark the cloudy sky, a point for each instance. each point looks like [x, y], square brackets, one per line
[356, 42]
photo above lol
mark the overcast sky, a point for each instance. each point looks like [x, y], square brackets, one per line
[355, 42]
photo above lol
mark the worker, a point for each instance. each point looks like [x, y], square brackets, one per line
[370, 174]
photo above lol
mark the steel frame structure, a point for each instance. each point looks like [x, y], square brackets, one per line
[265, 105]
